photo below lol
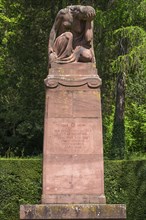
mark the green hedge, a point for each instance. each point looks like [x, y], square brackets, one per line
[125, 182]
[20, 183]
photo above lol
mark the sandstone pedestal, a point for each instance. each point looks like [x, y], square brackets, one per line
[73, 152]
[73, 170]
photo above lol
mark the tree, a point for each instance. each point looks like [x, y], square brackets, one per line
[119, 42]
[122, 44]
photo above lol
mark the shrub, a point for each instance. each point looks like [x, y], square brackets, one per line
[20, 183]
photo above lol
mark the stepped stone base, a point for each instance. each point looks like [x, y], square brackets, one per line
[73, 211]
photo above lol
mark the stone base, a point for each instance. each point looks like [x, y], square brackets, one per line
[73, 211]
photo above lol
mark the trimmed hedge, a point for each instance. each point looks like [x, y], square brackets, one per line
[125, 182]
[20, 183]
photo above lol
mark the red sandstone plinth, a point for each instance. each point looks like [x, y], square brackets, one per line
[73, 150]
[73, 211]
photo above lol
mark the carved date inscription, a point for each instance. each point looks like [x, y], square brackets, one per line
[71, 138]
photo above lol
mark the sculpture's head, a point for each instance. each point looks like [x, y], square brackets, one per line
[82, 12]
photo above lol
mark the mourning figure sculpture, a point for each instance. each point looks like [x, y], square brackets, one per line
[71, 37]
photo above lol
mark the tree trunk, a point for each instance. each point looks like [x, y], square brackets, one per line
[118, 136]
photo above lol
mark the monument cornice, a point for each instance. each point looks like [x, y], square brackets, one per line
[67, 80]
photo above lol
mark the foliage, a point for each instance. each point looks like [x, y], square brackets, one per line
[23, 67]
[125, 182]
[120, 45]
[135, 124]
[120, 51]
[20, 183]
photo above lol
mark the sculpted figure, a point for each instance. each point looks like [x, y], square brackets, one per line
[71, 37]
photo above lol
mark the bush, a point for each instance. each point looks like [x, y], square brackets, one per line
[125, 182]
[20, 183]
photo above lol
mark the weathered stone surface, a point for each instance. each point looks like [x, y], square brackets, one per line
[73, 74]
[73, 211]
[73, 149]
[71, 37]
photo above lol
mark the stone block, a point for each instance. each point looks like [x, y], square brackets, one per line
[73, 211]
[73, 150]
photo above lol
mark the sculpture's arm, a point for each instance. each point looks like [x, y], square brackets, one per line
[85, 13]
[54, 31]
[89, 37]
[89, 31]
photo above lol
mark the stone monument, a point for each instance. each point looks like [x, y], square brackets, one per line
[73, 168]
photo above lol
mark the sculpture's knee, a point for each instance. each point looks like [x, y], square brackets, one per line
[52, 57]
[86, 55]
[68, 35]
